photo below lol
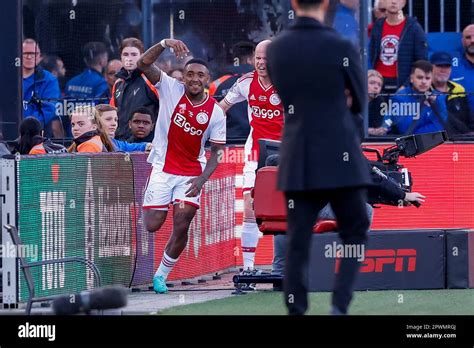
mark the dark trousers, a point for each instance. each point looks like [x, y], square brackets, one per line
[349, 206]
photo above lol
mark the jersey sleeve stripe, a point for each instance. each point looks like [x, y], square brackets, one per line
[217, 141]
[244, 77]
[227, 102]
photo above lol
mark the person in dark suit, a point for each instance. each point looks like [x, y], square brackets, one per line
[317, 75]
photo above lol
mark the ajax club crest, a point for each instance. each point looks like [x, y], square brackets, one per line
[202, 118]
[274, 99]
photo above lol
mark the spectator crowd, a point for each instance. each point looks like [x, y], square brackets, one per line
[111, 105]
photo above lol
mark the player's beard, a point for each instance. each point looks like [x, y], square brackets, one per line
[470, 50]
[195, 95]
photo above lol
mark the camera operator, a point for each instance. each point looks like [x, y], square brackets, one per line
[383, 190]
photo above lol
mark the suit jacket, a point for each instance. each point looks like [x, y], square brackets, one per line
[311, 65]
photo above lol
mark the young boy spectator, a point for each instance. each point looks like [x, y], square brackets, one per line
[141, 126]
[416, 109]
[375, 84]
[132, 89]
[396, 42]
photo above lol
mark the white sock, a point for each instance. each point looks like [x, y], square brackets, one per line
[166, 265]
[249, 243]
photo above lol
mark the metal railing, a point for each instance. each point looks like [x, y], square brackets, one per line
[442, 7]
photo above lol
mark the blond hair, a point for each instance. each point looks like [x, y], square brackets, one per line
[375, 73]
[94, 116]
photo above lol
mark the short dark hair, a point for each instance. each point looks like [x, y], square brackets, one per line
[309, 3]
[92, 52]
[423, 65]
[144, 110]
[243, 49]
[132, 42]
[50, 62]
[197, 61]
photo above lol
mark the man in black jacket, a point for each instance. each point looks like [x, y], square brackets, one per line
[132, 89]
[321, 160]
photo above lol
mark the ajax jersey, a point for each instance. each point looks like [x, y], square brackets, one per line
[182, 129]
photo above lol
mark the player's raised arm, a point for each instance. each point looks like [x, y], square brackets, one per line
[146, 63]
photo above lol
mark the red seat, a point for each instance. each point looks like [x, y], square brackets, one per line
[321, 226]
[270, 205]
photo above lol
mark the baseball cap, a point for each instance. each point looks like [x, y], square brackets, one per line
[441, 58]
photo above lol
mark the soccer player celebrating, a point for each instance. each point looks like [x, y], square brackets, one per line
[265, 112]
[187, 118]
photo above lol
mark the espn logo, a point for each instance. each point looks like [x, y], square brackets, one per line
[404, 260]
[181, 122]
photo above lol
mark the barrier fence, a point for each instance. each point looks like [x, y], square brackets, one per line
[90, 205]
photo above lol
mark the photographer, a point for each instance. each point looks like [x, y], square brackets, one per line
[383, 190]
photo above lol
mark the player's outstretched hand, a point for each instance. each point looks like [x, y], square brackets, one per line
[196, 185]
[179, 47]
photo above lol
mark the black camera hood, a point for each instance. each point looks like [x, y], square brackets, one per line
[414, 145]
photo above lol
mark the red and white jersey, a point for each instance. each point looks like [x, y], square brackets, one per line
[265, 111]
[183, 128]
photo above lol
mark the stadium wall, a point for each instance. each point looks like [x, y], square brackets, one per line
[90, 205]
[445, 175]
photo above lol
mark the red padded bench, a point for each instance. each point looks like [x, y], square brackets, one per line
[270, 205]
[270, 212]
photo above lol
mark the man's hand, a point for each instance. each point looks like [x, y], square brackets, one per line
[148, 147]
[178, 46]
[414, 197]
[196, 185]
[147, 65]
[377, 131]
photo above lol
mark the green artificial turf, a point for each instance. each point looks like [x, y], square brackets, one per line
[398, 302]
